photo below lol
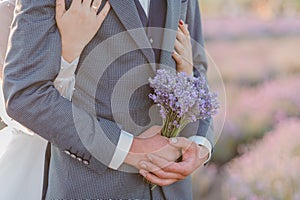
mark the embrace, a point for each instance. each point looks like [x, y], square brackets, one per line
[75, 84]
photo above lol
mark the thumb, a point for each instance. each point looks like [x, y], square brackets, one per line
[180, 142]
[60, 9]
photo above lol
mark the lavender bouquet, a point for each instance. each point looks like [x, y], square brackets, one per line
[182, 100]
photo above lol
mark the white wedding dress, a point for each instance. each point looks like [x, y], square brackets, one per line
[22, 152]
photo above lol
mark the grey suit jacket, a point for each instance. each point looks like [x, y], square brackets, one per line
[81, 151]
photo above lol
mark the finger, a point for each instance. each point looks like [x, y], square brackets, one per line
[149, 166]
[180, 36]
[170, 170]
[177, 58]
[160, 161]
[76, 3]
[183, 28]
[156, 180]
[86, 3]
[166, 175]
[183, 168]
[181, 142]
[60, 9]
[179, 47]
[102, 15]
[96, 5]
[162, 164]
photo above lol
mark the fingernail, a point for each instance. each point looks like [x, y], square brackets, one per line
[143, 173]
[173, 140]
[181, 22]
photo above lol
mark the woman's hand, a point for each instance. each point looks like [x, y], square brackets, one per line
[78, 25]
[183, 54]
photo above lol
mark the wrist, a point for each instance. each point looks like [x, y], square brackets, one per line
[142, 146]
[188, 70]
[135, 151]
[71, 51]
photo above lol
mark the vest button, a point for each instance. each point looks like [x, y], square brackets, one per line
[73, 156]
[86, 162]
[151, 40]
[67, 152]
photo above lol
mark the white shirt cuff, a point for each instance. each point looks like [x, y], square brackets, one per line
[67, 69]
[203, 142]
[122, 150]
[65, 80]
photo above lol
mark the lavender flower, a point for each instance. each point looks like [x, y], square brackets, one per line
[182, 100]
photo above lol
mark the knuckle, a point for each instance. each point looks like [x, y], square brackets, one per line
[157, 171]
[78, 12]
[185, 172]
[180, 60]
[181, 48]
[161, 174]
[180, 36]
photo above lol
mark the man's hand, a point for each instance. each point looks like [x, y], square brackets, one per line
[163, 172]
[151, 142]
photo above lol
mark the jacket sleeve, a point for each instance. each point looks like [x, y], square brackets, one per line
[31, 65]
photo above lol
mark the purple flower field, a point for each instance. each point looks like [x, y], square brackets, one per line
[257, 155]
[256, 47]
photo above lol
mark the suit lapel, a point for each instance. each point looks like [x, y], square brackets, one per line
[171, 26]
[127, 13]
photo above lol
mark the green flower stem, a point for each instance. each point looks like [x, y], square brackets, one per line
[174, 132]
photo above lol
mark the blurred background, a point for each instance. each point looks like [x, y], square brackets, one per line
[256, 46]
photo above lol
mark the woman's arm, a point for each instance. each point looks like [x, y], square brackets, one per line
[33, 62]
[77, 26]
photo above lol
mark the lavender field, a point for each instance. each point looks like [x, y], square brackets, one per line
[256, 49]
[256, 46]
